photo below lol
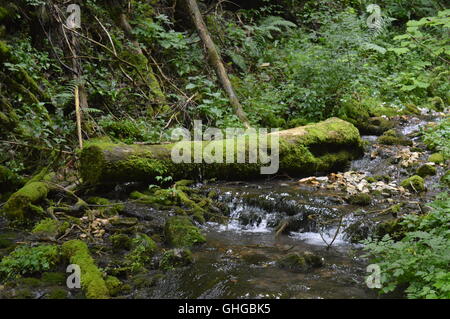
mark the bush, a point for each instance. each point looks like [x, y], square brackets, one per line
[28, 260]
[421, 259]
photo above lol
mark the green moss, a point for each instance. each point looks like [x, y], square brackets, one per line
[53, 278]
[77, 252]
[20, 204]
[371, 179]
[123, 221]
[98, 201]
[29, 282]
[391, 137]
[384, 110]
[4, 51]
[393, 228]
[180, 232]
[6, 241]
[57, 293]
[306, 150]
[411, 109]
[176, 258]
[114, 285]
[121, 242]
[426, 170]
[414, 183]
[375, 126]
[49, 227]
[143, 250]
[437, 158]
[360, 199]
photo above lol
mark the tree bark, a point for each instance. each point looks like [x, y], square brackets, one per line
[306, 150]
[215, 60]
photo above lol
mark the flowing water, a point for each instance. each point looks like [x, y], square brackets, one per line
[239, 259]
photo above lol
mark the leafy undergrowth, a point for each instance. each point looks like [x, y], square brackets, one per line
[421, 260]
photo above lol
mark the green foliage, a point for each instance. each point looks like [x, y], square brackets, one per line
[438, 137]
[420, 260]
[142, 253]
[130, 130]
[29, 260]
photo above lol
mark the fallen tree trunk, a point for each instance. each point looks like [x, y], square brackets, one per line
[306, 150]
[22, 202]
[216, 60]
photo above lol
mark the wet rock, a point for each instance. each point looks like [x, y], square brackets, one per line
[178, 257]
[299, 262]
[414, 183]
[250, 217]
[253, 257]
[426, 170]
[358, 231]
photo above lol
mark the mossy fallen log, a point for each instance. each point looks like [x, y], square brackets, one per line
[92, 282]
[305, 150]
[22, 202]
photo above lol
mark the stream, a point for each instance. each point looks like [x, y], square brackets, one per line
[239, 259]
[268, 219]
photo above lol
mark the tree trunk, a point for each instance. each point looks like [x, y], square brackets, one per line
[319, 147]
[215, 60]
[150, 78]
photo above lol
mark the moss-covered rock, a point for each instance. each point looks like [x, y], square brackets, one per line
[426, 170]
[57, 293]
[143, 249]
[180, 232]
[391, 137]
[50, 228]
[178, 257]
[414, 183]
[92, 282]
[114, 285]
[53, 278]
[121, 242]
[299, 262]
[411, 109]
[393, 228]
[105, 206]
[437, 158]
[361, 199]
[374, 126]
